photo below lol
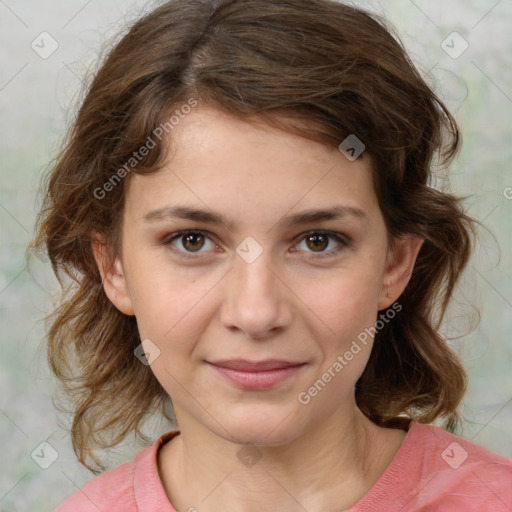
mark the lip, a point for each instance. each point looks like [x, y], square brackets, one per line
[256, 375]
[244, 365]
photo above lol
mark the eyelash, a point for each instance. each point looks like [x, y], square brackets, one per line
[342, 239]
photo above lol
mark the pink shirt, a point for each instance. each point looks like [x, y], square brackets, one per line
[434, 471]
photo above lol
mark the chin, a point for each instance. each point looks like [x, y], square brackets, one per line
[259, 429]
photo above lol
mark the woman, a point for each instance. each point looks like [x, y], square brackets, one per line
[244, 209]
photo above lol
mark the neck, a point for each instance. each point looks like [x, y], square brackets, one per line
[330, 467]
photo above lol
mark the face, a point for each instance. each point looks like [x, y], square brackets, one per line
[260, 284]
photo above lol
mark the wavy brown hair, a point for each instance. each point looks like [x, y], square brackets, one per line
[317, 68]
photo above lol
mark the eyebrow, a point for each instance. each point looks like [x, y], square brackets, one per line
[211, 217]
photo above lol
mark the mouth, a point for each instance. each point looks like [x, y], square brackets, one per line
[244, 365]
[256, 375]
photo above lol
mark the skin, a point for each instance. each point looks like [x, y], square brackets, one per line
[289, 303]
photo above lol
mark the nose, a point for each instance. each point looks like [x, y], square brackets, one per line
[256, 300]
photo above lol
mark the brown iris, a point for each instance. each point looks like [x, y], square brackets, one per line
[316, 244]
[191, 239]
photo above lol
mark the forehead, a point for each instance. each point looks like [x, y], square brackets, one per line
[222, 163]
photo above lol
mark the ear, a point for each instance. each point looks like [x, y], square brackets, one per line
[113, 279]
[399, 266]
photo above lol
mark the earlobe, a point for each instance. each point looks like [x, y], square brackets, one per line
[400, 264]
[113, 279]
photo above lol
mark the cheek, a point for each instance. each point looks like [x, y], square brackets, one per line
[345, 301]
[170, 305]
[347, 308]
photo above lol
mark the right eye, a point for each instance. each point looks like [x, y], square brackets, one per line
[191, 240]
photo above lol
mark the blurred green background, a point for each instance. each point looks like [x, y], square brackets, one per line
[37, 97]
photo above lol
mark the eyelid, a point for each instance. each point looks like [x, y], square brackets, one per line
[344, 240]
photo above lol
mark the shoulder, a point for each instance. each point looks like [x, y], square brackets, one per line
[116, 490]
[454, 452]
[459, 470]
[112, 491]
[132, 486]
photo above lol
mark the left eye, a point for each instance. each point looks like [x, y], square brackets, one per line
[194, 241]
[320, 240]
